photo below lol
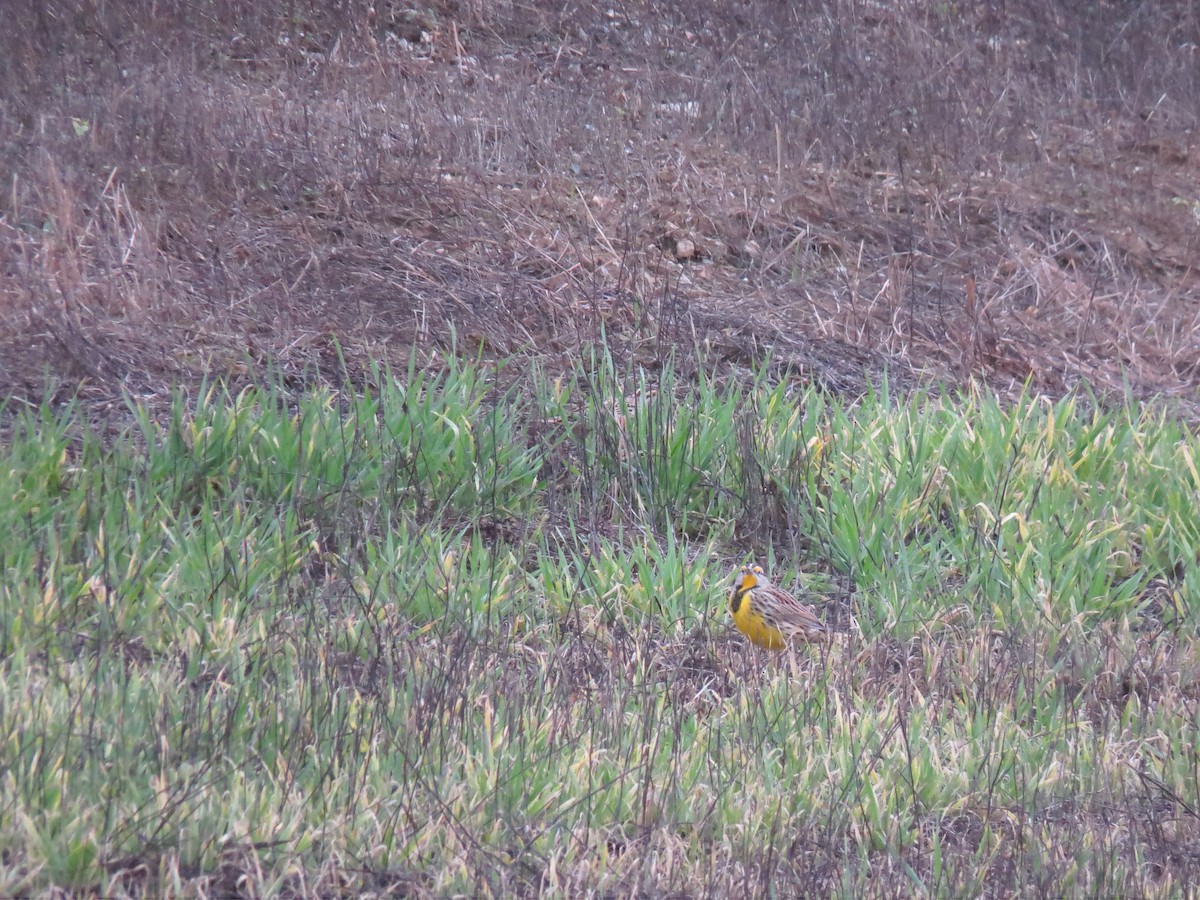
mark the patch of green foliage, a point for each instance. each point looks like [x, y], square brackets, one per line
[434, 634]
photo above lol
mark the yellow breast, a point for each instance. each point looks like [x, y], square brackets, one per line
[749, 621]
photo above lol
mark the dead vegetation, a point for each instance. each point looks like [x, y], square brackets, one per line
[1001, 192]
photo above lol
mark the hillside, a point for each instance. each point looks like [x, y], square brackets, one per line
[947, 192]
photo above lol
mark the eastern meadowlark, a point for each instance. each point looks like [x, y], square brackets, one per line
[769, 615]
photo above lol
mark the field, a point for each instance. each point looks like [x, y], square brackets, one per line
[392, 393]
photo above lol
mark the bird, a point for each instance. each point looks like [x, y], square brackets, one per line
[768, 615]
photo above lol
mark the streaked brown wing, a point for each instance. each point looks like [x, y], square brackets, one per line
[794, 614]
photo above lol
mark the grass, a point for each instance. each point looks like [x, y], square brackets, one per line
[436, 635]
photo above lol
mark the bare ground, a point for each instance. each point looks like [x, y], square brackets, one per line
[1009, 195]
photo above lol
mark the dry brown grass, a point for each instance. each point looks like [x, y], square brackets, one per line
[1005, 194]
